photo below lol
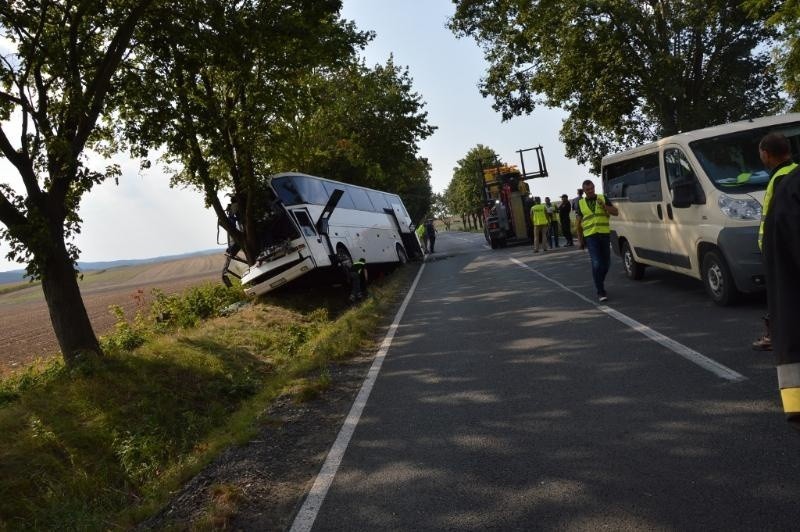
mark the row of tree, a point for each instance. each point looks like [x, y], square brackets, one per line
[628, 72]
[230, 91]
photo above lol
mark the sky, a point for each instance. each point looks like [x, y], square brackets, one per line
[143, 217]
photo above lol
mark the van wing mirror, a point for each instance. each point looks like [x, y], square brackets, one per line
[682, 193]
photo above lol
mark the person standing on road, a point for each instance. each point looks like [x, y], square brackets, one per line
[430, 233]
[564, 208]
[779, 239]
[594, 230]
[574, 201]
[552, 228]
[539, 220]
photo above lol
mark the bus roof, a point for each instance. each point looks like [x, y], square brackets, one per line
[301, 174]
[713, 131]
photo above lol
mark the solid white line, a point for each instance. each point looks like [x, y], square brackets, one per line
[308, 512]
[676, 347]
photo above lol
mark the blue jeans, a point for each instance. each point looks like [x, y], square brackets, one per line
[599, 247]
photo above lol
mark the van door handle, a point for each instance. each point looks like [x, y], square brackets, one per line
[660, 212]
[669, 211]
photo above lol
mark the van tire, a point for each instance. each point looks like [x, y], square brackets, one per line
[718, 280]
[633, 269]
[402, 257]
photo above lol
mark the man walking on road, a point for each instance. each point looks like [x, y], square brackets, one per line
[594, 231]
[779, 240]
[430, 232]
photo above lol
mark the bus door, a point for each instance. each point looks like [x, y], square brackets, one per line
[316, 246]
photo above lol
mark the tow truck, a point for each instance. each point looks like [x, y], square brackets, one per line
[507, 200]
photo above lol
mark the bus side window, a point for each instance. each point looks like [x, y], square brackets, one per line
[345, 202]
[360, 199]
[378, 201]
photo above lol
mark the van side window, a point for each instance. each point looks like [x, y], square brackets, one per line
[637, 179]
[679, 169]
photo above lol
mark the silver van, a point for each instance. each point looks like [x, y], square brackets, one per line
[691, 203]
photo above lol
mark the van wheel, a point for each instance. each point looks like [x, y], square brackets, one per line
[402, 257]
[718, 280]
[633, 269]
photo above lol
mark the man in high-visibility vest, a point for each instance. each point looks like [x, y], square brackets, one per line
[594, 233]
[540, 224]
[779, 240]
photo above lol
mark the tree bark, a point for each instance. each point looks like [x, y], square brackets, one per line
[68, 314]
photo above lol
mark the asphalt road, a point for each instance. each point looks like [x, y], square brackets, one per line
[507, 402]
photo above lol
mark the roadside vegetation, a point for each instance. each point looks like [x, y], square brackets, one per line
[103, 443]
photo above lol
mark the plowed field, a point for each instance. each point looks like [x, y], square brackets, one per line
[25, 330]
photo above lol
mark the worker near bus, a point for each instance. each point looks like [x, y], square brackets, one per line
[540, 224]
[779, 240]
[358, 280]
[430, 233]
[594, 233]
[422, 236]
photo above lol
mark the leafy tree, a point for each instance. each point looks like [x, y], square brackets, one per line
[465, 192]
[216, 79]
[626, 72]
[61, 75]
[785, 18]
[362, 126]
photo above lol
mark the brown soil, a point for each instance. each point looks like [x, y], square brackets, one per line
[25, 330]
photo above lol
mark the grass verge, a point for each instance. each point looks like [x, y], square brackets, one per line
[104, 444]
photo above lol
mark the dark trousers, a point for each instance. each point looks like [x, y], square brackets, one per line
[552, 234]
[431, 242]
[599, 247]
[566, 230]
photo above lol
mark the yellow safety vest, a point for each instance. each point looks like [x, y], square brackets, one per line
[594, 221]
[768, 200]
[539, 214]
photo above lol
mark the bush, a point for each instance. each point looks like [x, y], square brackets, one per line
[193, 305]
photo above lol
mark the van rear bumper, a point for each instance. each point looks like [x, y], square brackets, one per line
[739, 245]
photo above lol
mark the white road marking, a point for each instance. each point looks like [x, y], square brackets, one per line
[308, 512]
[676, 347]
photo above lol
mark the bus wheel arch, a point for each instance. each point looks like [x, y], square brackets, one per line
[344, 256]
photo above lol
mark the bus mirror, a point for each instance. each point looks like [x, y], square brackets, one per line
[682, 193]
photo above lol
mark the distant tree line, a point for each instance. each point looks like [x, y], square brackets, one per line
[229, 91]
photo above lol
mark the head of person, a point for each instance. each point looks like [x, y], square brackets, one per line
[564, 197]
[588, 189]
[580, 192]
[774, 149]
[547, 200]
[537, 200]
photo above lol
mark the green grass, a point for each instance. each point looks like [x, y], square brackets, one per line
[16, 287]
[103, 445]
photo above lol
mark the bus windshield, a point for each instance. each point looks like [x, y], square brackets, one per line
[731, 161]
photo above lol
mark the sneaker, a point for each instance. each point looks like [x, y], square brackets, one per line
[763, 344]
[602, 297]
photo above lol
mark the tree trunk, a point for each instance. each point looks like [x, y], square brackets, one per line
[68, 315]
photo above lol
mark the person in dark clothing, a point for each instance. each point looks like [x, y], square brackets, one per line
[781, 248]
[564, 208]
[358, 280]
[430, 232]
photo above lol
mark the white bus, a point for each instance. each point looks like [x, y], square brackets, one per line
[320, 223]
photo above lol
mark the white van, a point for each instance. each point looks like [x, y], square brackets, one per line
[691, 203]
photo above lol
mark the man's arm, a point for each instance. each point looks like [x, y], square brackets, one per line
[579, 230]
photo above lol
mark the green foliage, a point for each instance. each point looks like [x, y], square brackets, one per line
[215, 79]
[784, 17]
[626, 72]
[362, 126]
[193, 305]
[106, 442]
[464, 194]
